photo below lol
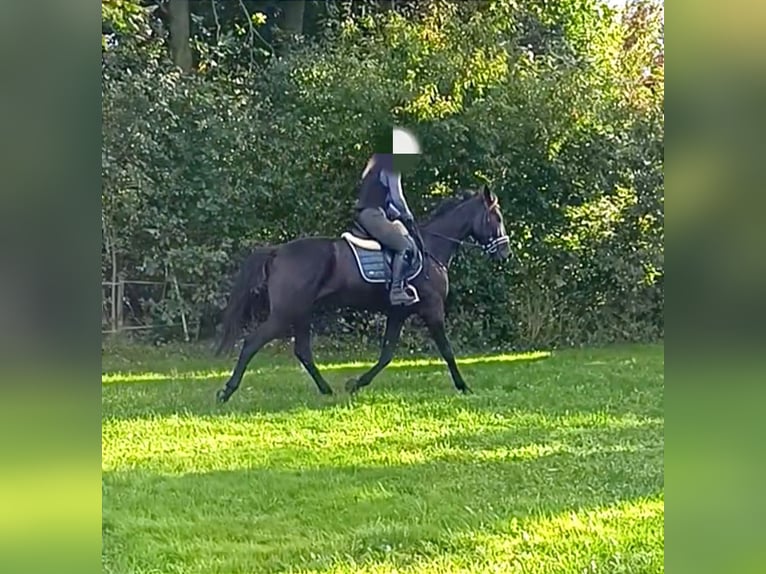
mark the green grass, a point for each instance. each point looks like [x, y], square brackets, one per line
[555, 464]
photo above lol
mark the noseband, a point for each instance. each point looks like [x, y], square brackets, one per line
[493, 245]
[489, 247]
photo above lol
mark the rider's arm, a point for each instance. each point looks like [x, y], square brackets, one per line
[393, 181]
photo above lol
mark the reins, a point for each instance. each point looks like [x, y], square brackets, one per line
[452, 239]
[489, 247]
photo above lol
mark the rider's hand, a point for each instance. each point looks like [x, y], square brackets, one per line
[415, 234]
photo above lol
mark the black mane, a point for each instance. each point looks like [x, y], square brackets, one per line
[449, 203]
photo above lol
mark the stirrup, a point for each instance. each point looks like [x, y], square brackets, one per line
[409, 295]
[412, 292]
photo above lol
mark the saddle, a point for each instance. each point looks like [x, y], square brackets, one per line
[360, 237]
[374, 260]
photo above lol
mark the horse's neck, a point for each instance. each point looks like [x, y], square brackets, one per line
[455, 225]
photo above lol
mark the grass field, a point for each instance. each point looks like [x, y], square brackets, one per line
[554, 465]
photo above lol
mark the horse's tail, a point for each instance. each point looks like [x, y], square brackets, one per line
[249, 286]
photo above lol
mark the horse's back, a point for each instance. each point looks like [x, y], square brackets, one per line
[324, 267]
[305, 254]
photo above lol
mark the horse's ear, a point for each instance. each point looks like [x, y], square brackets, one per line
[487, 194]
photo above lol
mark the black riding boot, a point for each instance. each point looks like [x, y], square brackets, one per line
[400, 295]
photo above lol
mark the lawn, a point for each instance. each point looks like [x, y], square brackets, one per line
[554, 465]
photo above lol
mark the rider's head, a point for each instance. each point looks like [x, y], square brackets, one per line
[405, 148]
[382, 140]
[398, 142]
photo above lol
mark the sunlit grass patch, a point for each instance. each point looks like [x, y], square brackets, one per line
[175, 375]
[554, 465]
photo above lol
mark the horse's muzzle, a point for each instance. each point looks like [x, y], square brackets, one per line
[498, 247]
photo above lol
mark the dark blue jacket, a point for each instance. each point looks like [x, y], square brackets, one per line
[381, 187]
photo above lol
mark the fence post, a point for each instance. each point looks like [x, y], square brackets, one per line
[114, 289]
[181, 305]
[118, 302]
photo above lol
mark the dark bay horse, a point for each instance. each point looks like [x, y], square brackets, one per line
[290, 280]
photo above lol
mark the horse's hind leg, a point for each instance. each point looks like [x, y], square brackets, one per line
[302, 350]
[265, 332]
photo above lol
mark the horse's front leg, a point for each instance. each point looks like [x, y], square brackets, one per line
[394, 323]
[433, 315]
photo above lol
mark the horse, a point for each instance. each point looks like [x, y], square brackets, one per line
[289, 281]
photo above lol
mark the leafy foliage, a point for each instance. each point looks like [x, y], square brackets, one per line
[558, 105]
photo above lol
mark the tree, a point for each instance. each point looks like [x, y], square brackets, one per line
[293, 16]
[178, 22]
[548, 101]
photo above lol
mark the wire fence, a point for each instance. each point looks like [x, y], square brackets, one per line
[125, 309]
[135, 305]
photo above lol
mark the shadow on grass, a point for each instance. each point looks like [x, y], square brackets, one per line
[506, 384]
[285, 388]
[275, 519]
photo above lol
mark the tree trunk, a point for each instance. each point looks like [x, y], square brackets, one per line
[180, 48]
[293, 12]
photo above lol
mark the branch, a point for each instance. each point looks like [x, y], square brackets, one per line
[253, 33]
[217, 22]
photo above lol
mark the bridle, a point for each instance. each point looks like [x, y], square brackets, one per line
[494, 244]
[490, 247]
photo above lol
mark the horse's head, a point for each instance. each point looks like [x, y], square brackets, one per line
[487, 227]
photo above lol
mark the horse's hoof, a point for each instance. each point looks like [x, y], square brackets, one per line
[327, 391]
[466, 390]
[352, 385]
[222, 396]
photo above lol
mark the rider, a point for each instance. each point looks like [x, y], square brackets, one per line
[379, 204]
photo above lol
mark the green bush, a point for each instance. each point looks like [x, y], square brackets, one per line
[550, 104]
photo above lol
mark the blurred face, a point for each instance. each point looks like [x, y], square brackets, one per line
[406, 150]
[405, 163]
[383, 141]
[404, 142]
